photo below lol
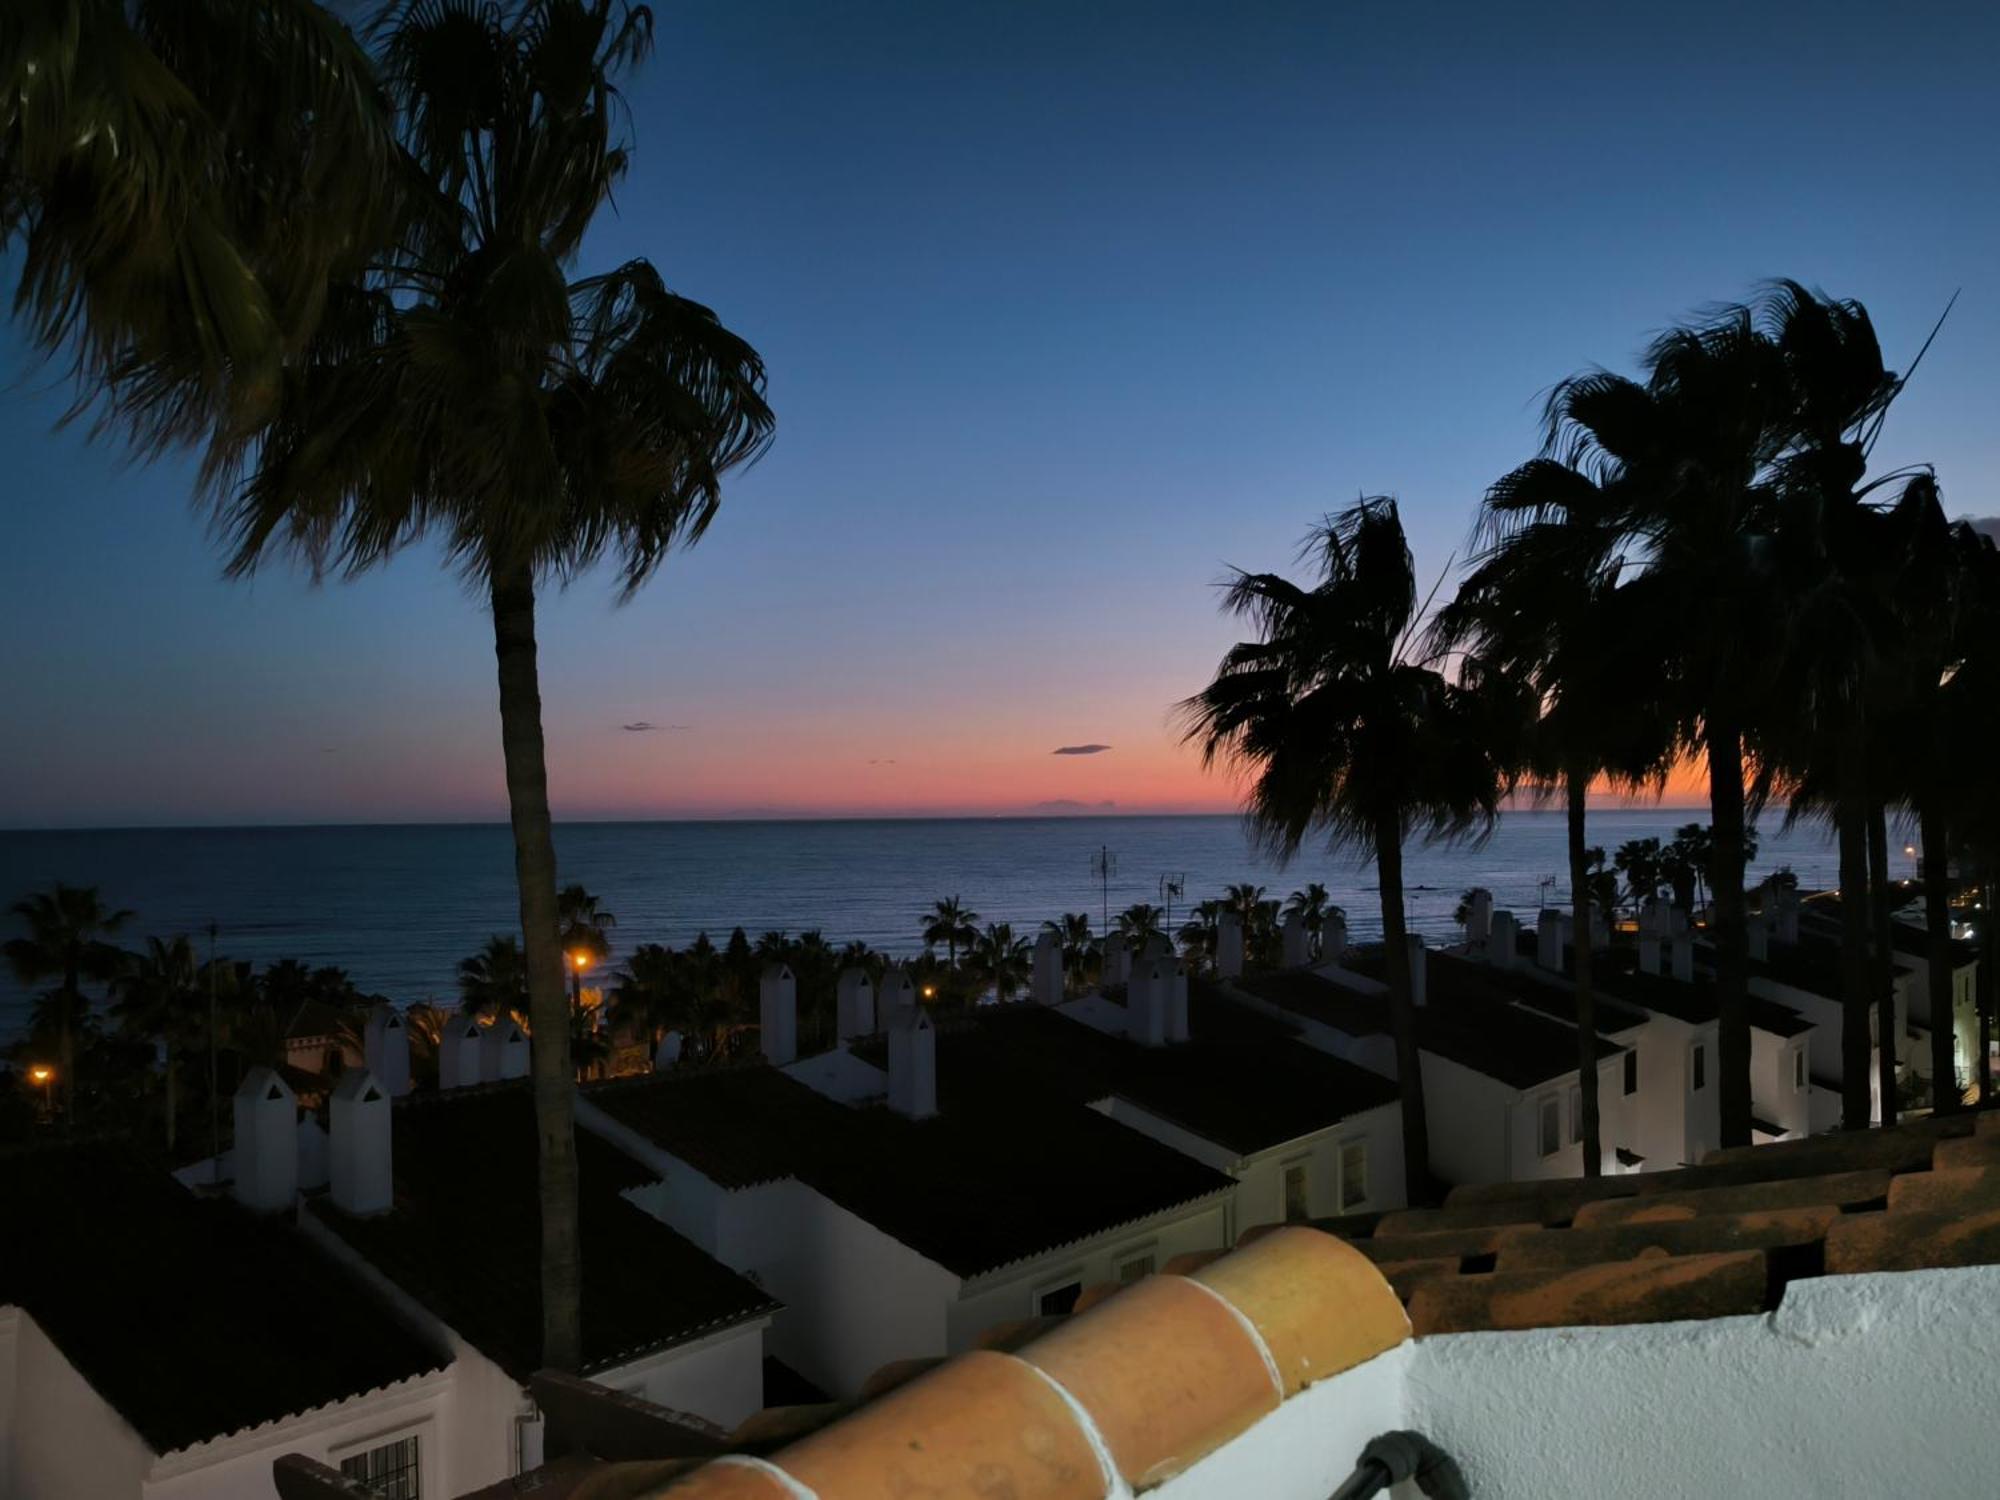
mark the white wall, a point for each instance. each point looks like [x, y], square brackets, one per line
[1856, 1388]
[1469, 1117]
[720, 1377]
[63, 1438]
[1777, 1093]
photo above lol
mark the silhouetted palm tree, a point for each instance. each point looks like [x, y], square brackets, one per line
[159, 997]
[1313, 905]
[952, 923]
[1351, 735]
[1079, 947]
[1138, 922]
[469, 390]
[1000, 959]
[66, 941]
[494, 981]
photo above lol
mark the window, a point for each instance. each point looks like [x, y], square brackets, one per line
[1576, 1114]
[1551, 1112]
[1632, 1071]
[1353, 1175]
[1799, 1070]
[1138, 1267]
[1059, 1300]
[1697, 1068]
[390, 1471]
[1297, 1193]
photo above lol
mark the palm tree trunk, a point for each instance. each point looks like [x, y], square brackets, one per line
[1946, 1095]
[1403, 1013]
[1586, 1001]
[548, 1005]
[1852, 818]
[1732, 951]
[1882, 971]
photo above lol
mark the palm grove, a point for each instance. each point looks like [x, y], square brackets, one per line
[1698, 565]
[344, 269]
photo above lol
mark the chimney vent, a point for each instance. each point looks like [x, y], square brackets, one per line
[385, 1047]
[460, 1046]
[896, 997]
[1420, 968]
[361, 1175]
[1117, 968]
[668, 1052]
[778, 1014]
[854, 1004]
[267, 1142]
[1294, 942]
[503, 1051]
[1758, 934]
[1549, 939]
[1149, 1001]
[1333, 938]
[1229, 945]
[1479, 917]
[1046, 985]
[913, 1064]
[1683, 957]
[1503, 945]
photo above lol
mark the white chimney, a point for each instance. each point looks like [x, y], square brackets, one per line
[1177, 1008]
[913, 1064]
[1420, 968]
[1649, 952]
[853, 1005]
[668, 1052]
[1158, 945]
[1788, 913]
[267, 1142]
[1229, 945]
[895, 998]
[312, 1154]
[361, 1175]
[778, 1014]
[1294, 942]
[1045, 986]
[1333, 938]
[1653, 918]
[1677, 921]
[385, 1048]
[1549, 939]
[1148, 999]
[1479, 917]
[1600, 927]
[460, 1047]
[1758, 934]
[1503, 947]
[503, 1051]
[1683, 957]
[1117, 967]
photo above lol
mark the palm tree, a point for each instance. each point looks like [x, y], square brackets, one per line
[1542, 608]
[467, 389]
[1638, 860]
[494, 981]
[950, 922]
[160, 997]
[1313, 905]
[67, 927]
[586, 936]
[1138, 922]
[649, 994]
[1000, 959]
[1079, 946]
[1350, 735]
[180, 181]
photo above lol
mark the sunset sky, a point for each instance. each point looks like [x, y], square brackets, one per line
[1067, 309]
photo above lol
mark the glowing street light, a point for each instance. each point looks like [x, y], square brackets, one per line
[44, 1076]
[930, 992]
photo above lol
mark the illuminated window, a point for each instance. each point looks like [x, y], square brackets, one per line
[1551, 1113]
[390, 1471]
[1353, 1175]
[1632, 1071]
[1697, 1068]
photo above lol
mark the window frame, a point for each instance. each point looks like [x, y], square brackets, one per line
[1303, 1166]
[1548, 1125]
[1697, 1067]
[1799, 1077]
[1042, 1290]
[1352, 1143]
[365, 1449]
[1631, 1077]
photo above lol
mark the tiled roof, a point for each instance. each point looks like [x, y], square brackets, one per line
[986, 1182]
[1694, 1001]
[1550, 994]
[191, 1317]
[1245, 1088]
[1912, 938]
[464, 1238]
[1316, 998]
[1723, 1237]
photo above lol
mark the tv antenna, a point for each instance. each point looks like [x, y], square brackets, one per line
[1171, 887]
[1103, 865]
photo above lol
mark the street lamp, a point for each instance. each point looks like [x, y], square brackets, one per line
[580, 961]
[44, 1076]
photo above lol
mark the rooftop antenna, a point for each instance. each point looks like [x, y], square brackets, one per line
[1171, 887]
[1104, 864]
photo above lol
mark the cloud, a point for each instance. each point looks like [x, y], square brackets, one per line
[1080, 750]
[647, 726]
[881, 762]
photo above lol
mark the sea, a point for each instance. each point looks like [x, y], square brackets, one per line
[398, 906]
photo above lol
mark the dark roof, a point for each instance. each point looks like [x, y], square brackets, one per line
[1553, 996]
[464, 1238]
[1245, 1090]
[1912, 939]
[1696, 1001]
[1477, 1025]
[1316, 998]
[190, 1316]
[989, 1180]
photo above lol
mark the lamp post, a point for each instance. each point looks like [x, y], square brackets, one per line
[44, 1077]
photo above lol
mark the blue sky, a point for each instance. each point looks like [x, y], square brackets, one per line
[1066, 307]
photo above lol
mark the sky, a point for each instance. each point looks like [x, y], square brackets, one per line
[1068, 309]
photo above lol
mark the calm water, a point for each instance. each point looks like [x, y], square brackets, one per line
[399, 906]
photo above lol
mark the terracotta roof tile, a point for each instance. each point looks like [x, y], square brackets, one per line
[1842, 1189]
[1567, 1249]
[1482, 1239]
[1945, 1188]
[1405, 1276]
[1914, 1241]
[1660, 1289]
